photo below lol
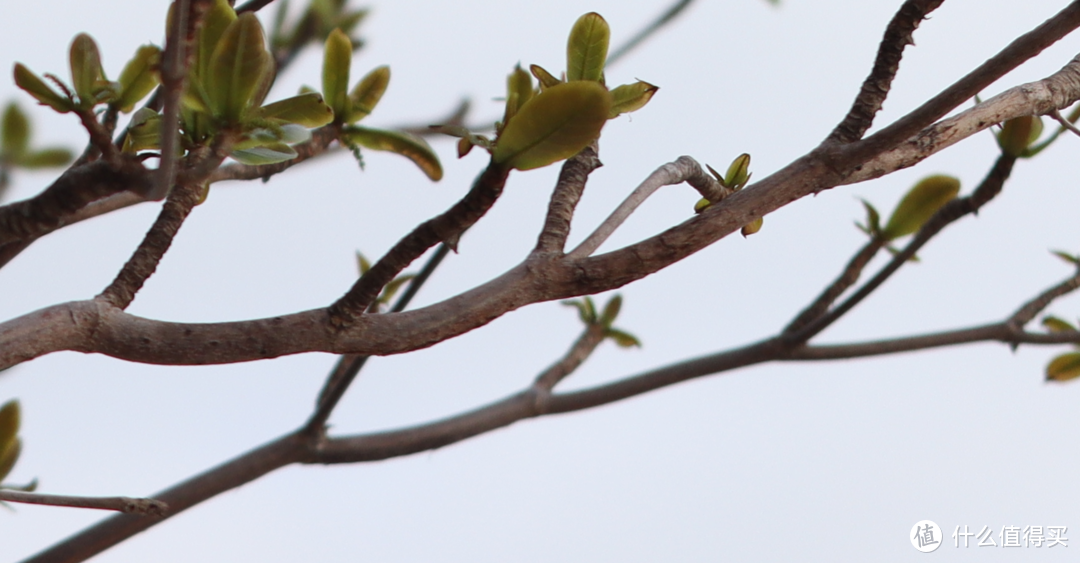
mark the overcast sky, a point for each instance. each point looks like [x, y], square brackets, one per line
[831, 461]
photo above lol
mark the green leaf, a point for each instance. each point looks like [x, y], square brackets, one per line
[217, 19]
[362, 263]
[611, 310]
[738, 172]
[1055, 324]
[144, 132]
[337, 59]
[86, 70]
[586, 309]
[545, 77]
[16, 131]
[41, 91]
[752, 227]
[45, 158]
[873, 219]
[308, 110]
[631, 97]
[10, 416]
[410, 146]
[586, 50]
[392, 288]
[8, 456]
[367, 93]
[519, 89]
[556, 124]
[139, 77]
[919, 204]
[1018, 134]
[1074, 260]
[238, 69]
[270, 153]
[623, 339]
[1064, 367]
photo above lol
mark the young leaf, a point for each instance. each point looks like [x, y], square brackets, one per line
[623, 339]
[1074, 260]
[586, 309]
[1018, 134]
[44, 158]
[270, 153]
[919, 204]
[86, 69]
[16, 131]
[144, 132]
[1064, 367]
[1055, 324]
[41, 91]
[9, 423]
[738, 173]
[8, 456]
[554, 125]
[308, 110]
[631, 97]
[410, 146]
[545, 77]
[367, 93]
[139, 77]
[752, 227]
[586, 50]
[337, 59]
[611, 310]
[873, 219]
[519, 89]
[362, 263]
[238, 69]
[217, 19]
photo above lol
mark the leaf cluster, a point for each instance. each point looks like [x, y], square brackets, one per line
[555, 118]
[588, 314]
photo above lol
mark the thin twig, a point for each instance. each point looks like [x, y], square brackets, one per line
[445, 228]
[684, 169]
[1029, 310]
[646, 32]
[957, 208]
[137, 506]
[253, 6]
[875, 89]
[564, 199]
[1065, 123]
[580, 351]
[349, 365]
[144, 261]
[847, 278]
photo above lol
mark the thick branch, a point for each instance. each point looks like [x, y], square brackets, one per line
[1019, 50]
[72, 191]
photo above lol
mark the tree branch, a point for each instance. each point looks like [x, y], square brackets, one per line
[127, 505]
[875, 89]
[949, 213]
[72, 191]
[571, 184]
[445, 228]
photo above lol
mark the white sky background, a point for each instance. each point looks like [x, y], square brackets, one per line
[775, 462]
